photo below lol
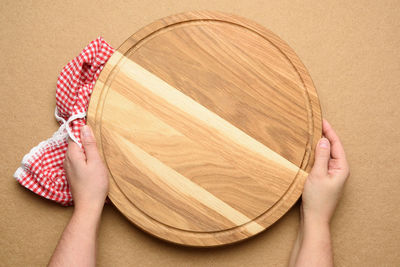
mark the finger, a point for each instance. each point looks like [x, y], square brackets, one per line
[337, 151]
[322, 156]
[89, 144]
[74, 152]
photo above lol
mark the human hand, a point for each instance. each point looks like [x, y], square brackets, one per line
[86, 173]
[323, 187]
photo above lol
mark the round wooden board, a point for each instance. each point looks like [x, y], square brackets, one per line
[207, 123]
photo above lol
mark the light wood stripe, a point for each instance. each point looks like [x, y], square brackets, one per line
[183, 154]
[245, 75]
[187, 105]
[149, 164]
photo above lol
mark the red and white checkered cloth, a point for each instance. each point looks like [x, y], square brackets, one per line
[42, 169]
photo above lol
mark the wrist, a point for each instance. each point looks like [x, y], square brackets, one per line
[86, 221]
[91, 210]
[312, 219]
[315, 226]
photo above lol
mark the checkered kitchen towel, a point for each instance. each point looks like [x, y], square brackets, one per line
[41, 169]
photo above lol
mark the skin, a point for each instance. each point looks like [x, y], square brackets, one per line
[322, 191]
[87, 176]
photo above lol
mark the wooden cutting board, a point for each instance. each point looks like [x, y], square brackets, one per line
[207, 123]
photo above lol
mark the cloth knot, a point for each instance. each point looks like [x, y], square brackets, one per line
[42, 169]
[65, 129]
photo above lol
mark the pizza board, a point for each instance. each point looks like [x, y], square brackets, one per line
[207, 123]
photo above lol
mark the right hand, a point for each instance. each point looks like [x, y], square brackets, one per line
[323, 187]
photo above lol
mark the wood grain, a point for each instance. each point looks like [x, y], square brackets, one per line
[207, 123]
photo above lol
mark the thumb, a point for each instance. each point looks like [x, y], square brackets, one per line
[322, 156]
[89, 144]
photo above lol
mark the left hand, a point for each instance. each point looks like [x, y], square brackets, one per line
[86, 173]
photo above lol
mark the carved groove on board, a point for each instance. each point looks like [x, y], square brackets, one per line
[147, 80]
[181, 184]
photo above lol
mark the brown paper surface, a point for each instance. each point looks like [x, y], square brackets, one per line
[351, 49]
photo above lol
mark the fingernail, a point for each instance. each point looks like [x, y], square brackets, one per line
[86, 131]
[324, 143]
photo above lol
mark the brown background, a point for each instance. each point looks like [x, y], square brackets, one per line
[351, 49]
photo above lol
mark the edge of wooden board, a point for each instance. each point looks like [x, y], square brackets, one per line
[239, 233]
